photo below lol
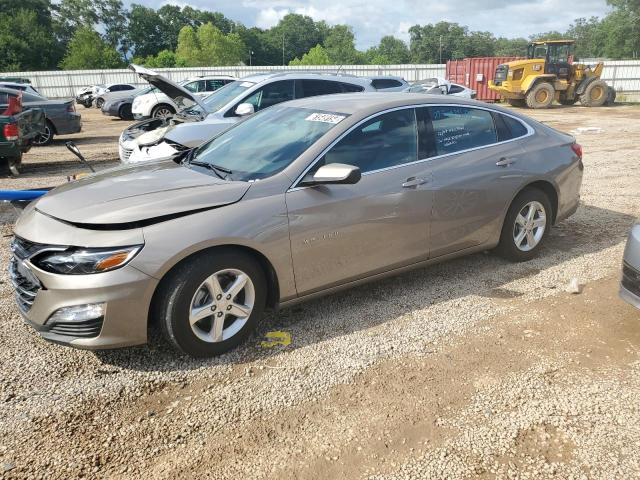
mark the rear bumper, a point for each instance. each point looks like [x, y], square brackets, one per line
[69, 124]
[11, 149]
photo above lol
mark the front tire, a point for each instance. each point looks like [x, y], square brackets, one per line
[163, 111]
[540, 96]
[99, 103]
[125, 112]
[211, 303]
[526, 225]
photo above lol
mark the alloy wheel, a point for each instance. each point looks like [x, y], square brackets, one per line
[43, 138]
[163, 113]
[221, 305]
[529, 226]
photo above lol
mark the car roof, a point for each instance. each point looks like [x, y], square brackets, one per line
[11, 91]
[371, 102]
[210, 77]
[306, 74]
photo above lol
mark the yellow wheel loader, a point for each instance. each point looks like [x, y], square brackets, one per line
[547, 74]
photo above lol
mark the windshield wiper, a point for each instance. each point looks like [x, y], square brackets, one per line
[214, 168]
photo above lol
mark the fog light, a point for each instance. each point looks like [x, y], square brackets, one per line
[79, 313]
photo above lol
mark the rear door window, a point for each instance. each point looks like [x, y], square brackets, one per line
[380, 83]
[384, 141]
[350, 87]
[195, 87]
[214, 84]
[516, 127]
[312, 88]
[457, 128]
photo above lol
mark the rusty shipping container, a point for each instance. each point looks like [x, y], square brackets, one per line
[475, 73]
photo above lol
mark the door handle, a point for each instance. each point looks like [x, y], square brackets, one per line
[505, 162]
[413, 182]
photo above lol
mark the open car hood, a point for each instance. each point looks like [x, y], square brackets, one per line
[129, 197]
[180, 95]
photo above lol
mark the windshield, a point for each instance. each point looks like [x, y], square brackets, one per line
[267, 142]
[223, 95]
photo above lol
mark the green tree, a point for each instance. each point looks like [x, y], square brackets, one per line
[390, 51]
[145, 31]
[27, 39]
[296, 35]
[256, 41]
[114, 19]
[590, 37]
[431, 43]
[208, 46]
[164, 59]
[87, 50]
[340, 46]
[511, 47]
[316, 56]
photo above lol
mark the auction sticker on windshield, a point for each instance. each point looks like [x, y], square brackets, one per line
[325, 117]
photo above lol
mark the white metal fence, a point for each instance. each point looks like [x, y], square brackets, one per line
[624, 76]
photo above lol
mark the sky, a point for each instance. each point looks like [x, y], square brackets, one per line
[373, 19]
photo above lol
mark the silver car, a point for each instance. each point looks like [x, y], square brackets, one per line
[200, 119]
[299, 200]
[630, 284]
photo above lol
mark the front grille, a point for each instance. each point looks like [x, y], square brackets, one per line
[501, 74]
[86, 329]
[631, 279]
[26, 285]
[22, 248]
[125, 153]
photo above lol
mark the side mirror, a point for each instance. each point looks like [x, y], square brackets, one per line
[245, 109]
[336, 173]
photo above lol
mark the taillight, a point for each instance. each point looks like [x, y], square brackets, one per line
[11, 132]
[71, 107]
[577, 149]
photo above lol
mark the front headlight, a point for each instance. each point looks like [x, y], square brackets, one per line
[84, 261]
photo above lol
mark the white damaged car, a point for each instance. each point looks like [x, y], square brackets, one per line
[200, 119]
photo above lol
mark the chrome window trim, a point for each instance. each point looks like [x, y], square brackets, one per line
[530, 131]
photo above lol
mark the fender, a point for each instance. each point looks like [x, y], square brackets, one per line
[530, 81]
[582, 86]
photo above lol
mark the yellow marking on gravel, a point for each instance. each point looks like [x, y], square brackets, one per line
[276, 338]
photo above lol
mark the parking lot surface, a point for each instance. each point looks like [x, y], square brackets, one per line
[472, 368]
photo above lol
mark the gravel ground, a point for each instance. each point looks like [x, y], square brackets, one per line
[475, 367]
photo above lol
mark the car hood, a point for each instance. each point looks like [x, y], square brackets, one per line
[192, 134]
[125, 197]
[180, 95]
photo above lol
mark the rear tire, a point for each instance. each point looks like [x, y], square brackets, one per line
[595, 95]
[522, 234]
[10, 166]
[611, 97]
[45, 138]
[540, 96]
[190, 287]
